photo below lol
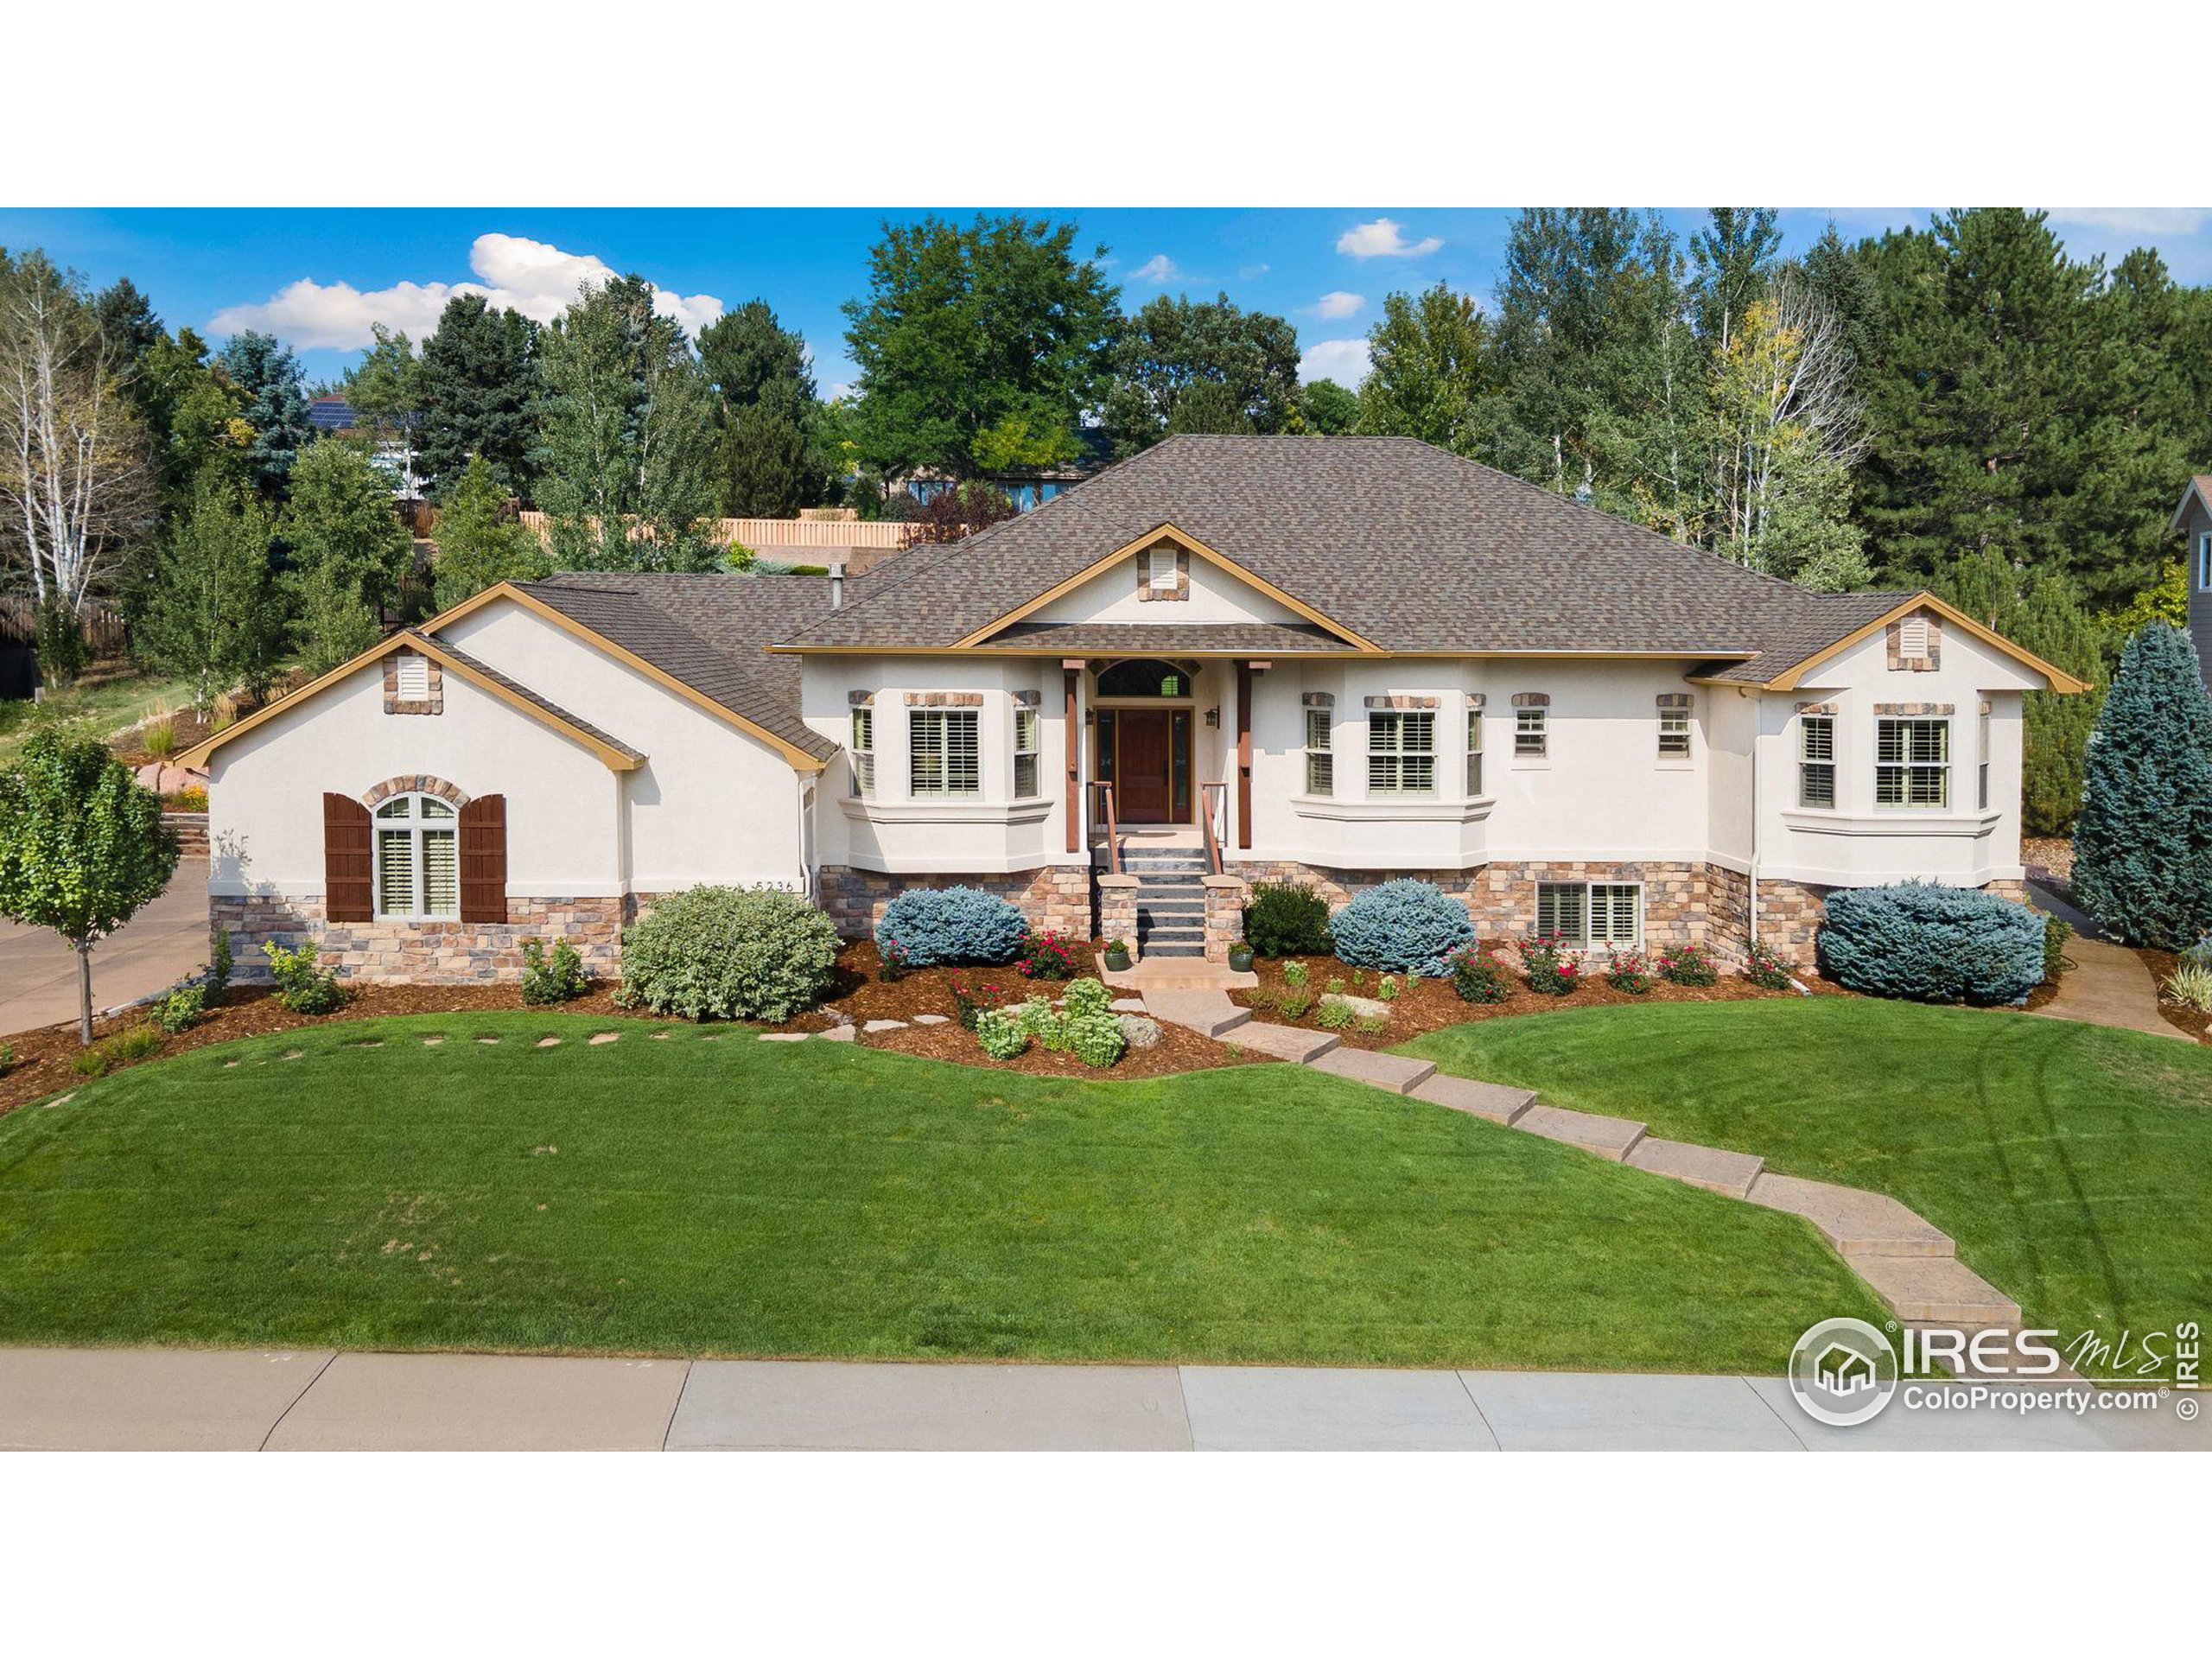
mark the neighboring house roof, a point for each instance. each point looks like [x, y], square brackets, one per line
[2198, 494]
[331, 415]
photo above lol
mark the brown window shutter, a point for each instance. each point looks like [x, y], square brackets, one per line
[484, 860]
[348, 888]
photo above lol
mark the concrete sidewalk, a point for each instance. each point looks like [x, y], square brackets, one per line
[64, 1399]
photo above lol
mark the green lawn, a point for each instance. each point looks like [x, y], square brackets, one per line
[693, 1196]
[107, 707]
[2072, 1163]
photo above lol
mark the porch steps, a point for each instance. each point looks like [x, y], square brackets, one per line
[1171, 899]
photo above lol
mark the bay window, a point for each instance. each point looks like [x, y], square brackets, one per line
[945, 752]
[1912, 763]
[1401, 752]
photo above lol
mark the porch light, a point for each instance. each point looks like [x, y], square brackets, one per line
[1213, 716]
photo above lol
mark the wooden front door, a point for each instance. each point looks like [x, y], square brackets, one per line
[1144, 764]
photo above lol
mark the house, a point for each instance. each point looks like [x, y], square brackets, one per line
[1223, 660]
[2194, 519]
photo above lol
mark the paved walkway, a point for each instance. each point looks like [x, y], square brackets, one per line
[119, 1399]
[2107, 985]
[159, 946]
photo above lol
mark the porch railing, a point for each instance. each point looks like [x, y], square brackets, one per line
[1213, 801]
[1105, 815]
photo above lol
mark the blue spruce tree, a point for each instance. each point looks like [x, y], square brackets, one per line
[2143, 843]
[267, 375]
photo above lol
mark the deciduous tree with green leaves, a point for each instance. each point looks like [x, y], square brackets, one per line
[1428, 371]
[1237, 369]
[216, 616]
[1326, 409]
[384, 389]
[479, 542]
[82, 848]
[350, 552]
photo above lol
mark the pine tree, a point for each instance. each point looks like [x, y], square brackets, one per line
[478, 385]
[2143, 844]
[772, 464]
[267, 375]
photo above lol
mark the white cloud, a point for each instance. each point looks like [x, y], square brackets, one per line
[1158, 269]
[1344, 361]
[1384, 237]
[535, 278]
[1338, 304]
[2137, 221]
[1247, 273]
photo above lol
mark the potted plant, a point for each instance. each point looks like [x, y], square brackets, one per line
[1117, 956]
[1240, 958]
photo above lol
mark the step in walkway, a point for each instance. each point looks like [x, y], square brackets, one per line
[1911, 1264]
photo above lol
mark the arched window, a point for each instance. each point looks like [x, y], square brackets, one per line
[1144, 679]
[418, 858]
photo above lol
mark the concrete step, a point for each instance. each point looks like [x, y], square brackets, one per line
[1491, 1100]
[1611, 1138]
[1148, 928]
[1180, 949]
[1208, 1013]
[1716, 1171]
[1284, 1042]
[1398, 1073]
[1856, 1223]
[1937, 1290]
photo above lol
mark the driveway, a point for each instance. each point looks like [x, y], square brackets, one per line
[162, 944]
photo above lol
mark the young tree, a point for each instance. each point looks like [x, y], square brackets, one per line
[82, 848]
[385, 391]
[479, 542]
[1427, 370]
[963, 328]
[626, 461]
[75, 476]
[350, 552]
[216, 617]
[1734, 257]
[1241, 365]
[267, 375]
[477, 394]
[2143, 843]
[195, 417]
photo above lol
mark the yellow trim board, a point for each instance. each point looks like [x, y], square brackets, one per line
[613, 758]
[1189, 545]
[2061, 681]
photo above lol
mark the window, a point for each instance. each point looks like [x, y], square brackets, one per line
[1400, 752]
[1912, 763]
[1529, 732]
[1474, 751]
[1144, 679]
[1912, 637]
[1320, 762]
[1673, 734]
[2204, 563]
[413, 681]
[417, 859]
[1981, 760]
[1817, 760]
[944, 752]
[1607, 913]
[1024, 751]
[862, 747]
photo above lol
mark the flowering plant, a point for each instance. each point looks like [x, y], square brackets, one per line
[1476, 975]
[1045, 955]
[1766, 970]
[971, 1000]
[1549, 966]
[893, 955]
[1688, 966]
[1629, 972]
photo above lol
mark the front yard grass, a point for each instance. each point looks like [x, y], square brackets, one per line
[706, 1192]
[2072, 1163]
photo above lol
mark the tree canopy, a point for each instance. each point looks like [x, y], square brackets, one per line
[1185, 365]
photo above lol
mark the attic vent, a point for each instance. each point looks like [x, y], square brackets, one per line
[1912, 637]
[414, 685]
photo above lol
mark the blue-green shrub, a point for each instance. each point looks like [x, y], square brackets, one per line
[1931, 944]
[935, 927]
[728, 953]
[1406, 925]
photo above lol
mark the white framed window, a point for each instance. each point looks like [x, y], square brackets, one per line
[1474, 751]
[2204, 563]
[1401, 752]
[1817, 760]
[1673, 734]
[1531, 733]
[1025, 751]
[417, 859]
[412, 679]
[1588, 913]
[1159, 569]
[863, 749]
[1981, 760]
[1320, 756]
[944, 752]
[1912, 763]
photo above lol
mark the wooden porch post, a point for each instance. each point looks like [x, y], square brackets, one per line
[1244, 756]
[1069, 672]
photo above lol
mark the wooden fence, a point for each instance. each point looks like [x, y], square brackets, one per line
[103, 629]
[763, 534]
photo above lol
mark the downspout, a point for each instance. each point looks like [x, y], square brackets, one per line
[1758, 712]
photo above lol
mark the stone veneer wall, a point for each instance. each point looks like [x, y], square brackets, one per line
[1501, 899]
[423, 953]
[1791, 914]
[1225, 897]
[1055, 898]
[1728, 918]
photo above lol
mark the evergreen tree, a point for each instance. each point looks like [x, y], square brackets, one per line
[768, 467]
[479, 542]
[267, 377]
[350, 552]
[771, 462]
[750, 358]
[127, 318]
[1734, 256]
[218, 618]
[1241, 365]
[1428, 369]
[2143, 844]
[477, 386]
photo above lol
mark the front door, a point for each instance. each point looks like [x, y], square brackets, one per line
[1144, 765]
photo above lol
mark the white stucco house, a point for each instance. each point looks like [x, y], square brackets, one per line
[1225, 660]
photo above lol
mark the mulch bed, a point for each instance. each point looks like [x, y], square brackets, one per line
[189, 729]
[1425, 1005]
[2161, 963]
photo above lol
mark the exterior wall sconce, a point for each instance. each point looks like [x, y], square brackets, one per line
[1213, 717]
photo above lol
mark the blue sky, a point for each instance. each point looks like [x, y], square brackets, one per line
[317, 277]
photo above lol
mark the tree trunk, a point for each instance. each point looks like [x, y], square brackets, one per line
[85, 994]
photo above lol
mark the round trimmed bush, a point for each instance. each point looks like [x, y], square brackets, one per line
[1408, 925]
[1286, 919]
[728, 953]
[1931, 944]
[937, 927]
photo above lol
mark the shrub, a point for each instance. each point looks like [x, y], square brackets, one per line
[945, 927]
[179, 1007]
[1295, 973]
[971, 1000]
[1046, 956]
[728, 953]
[301, 986]
[1088, 996]
[1292, 1005]
[1549, 966]
[219, 964]
[1477, 977]
[187, 800]
[1932, 943]
[1370, 1024]
[1689, 966]
[2190, 985]
[124, 1047]
[1386, 987]
[1140, 1030]
[893, 958]
[1404, 924]
[557, 976]
[2055, 935]
[1001, 1033]
[1334, 1014]
[1097, 1039]
[1766, 970]
[1629, 972]
[1286, 919]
